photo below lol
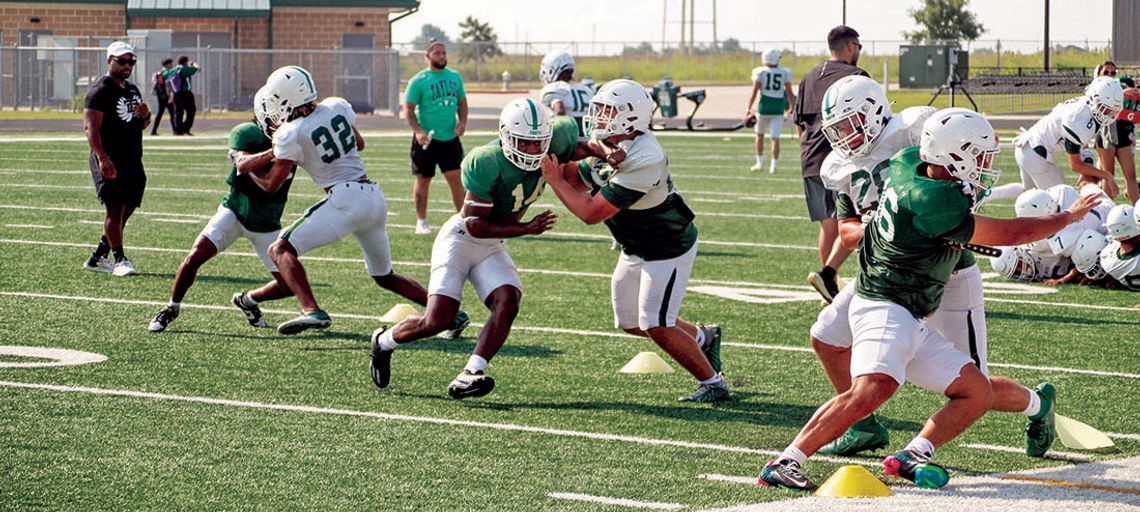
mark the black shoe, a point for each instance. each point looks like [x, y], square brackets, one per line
[381, 363]
[470, 385]
[252, 313]
[785, 473]
[827, 287]
[163, 319]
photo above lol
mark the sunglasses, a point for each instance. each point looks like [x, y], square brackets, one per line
[857, 45]
[1109, 72]
[123, 61]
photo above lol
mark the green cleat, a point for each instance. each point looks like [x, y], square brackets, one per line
[917, 468]
[1041, 429]
[866, 434]
[315, 320]
[456, 330]
[711, 350]
[705, 393]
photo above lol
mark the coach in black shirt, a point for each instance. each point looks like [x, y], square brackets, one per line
[843, 41]
[114, 117]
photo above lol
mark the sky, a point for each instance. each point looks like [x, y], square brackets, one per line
[750, 20]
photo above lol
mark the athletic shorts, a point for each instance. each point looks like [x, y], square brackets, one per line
[1037, 171]
[961, 317]
[647, 294]
[350, 208]
[770, 125]
[447, 154]
[888, 339]
[224, 228]
[820, 200]
[1122, 134]
[126, 189]
[457, 257]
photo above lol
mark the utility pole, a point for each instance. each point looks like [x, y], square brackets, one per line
[844, 12]
[681, 48]
[715, 45]
[692, 13]
[1047, 35]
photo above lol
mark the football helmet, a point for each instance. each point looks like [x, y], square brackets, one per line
[1086, 254]
[855, 113]
[1063, 195]
[771, 57]
[1015, 263]
[1034, 203]
[287, 88]
[261, 106]
[621, 106]
[521, 122]
[1106, 99]
[963, 142]
[553, 64]
[1121, 222]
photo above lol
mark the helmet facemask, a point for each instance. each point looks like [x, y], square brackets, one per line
[526, 150]
[600, 121]
[1022, 267]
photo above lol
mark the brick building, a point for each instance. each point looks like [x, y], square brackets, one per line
[237, 42]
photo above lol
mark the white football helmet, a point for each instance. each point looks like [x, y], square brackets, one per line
[261, 107]
[553, 64]
[1034, 203]
[1086, 254]
[771, 57]
[1106, 99]
[523, 121]
[1063, 195]
[287, 88]
[621, 106]
[963, 142]
[855, 112]
[1015, 264]
[1121, 222]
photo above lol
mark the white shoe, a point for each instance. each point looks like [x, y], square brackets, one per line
[101, 265]
[756, 168]
[772, 170]
[422, 227]
[124, 268]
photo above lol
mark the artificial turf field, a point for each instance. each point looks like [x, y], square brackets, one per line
[214, 414]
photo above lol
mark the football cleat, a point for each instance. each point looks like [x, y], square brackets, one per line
[785, 473]
[252, 313]
[705, 393]
[866, 434]
[470, 385]
[381, 364]
[917, 468]
[422, 227]
[1041, 429]
[456, 330]
[711, 349]
[163, 319]
[827, 289]
[315, 320]
[99, 264]
[756, 168]
[124, 267]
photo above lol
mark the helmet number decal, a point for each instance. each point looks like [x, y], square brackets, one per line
[324, 140]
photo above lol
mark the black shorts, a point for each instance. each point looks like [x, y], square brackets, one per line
[1123, 136]
[127, 187]
[447, 154]
[820, 200]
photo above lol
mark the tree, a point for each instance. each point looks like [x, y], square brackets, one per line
[429, 32]
[731, 45]
[484, 38]
[944, 20]
[642, 49]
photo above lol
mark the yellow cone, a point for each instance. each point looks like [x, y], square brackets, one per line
[646, 362]
[853, 481]
[398, 312]
[1081, 436]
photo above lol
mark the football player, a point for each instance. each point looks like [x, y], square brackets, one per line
[323, 139]
[906, 256]
[636, 200]
[1086, 261]
[1119, 259]
[502, 181]
[774, 84]
[864, 134]
[251, 210]
[559, 93]
[1067, 128]
[1049, 261]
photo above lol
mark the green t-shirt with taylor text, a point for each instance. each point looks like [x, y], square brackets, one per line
[436, 95]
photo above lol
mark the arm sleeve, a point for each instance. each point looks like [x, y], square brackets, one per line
[285, 143]
[943, 212]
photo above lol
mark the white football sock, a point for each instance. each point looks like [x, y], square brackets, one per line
[760, 160]
[475, 364]
[700, 337]
[773, 164]
[922, 446]
[387, 342]
[1034, 406]
[793, 453]
[176, 305]
[712, 380]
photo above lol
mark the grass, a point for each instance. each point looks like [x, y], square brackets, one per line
[557, 372]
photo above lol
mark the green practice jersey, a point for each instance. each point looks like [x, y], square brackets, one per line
[488, 174]
[905, 256]
[259, 211]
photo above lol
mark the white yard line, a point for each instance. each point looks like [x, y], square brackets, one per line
[1051, 454]
[32, 226]
[558, 330]
[1130, 437]
[713, 477]
[621, 502]
[178, 221]
[409, 418]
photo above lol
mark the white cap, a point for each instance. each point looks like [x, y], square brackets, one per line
[119, 48]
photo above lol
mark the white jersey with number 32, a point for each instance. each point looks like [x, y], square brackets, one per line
[322, 143]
